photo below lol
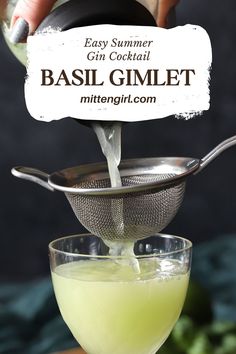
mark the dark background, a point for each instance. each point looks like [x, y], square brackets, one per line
[31, 216]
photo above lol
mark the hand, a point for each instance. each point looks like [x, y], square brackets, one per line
[26, 17]
[3, 6]
[29, 13]
[164, 8]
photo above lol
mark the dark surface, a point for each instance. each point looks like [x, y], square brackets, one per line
[30, 216]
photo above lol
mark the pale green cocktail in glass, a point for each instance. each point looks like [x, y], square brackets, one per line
[109, 307]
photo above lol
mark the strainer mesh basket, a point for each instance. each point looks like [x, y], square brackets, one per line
[128, 216]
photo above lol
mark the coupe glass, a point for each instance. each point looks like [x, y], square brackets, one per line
[120, 305]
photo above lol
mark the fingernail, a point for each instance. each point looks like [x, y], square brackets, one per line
[19, 31]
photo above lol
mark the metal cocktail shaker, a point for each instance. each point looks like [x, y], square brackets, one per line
[80, 13]
[120, 12]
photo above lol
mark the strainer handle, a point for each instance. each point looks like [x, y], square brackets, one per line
[226, 144]
[33, 175]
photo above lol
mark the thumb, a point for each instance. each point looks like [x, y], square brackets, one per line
[164, 8]
[3, 6]
[31, 11]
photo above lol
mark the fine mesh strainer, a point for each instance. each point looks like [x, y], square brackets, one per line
[151, 193]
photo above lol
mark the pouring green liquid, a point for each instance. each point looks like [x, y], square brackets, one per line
[109, 137]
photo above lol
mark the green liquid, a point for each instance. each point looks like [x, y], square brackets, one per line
[112, 310]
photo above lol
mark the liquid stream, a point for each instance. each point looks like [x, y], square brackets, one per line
[109, 137]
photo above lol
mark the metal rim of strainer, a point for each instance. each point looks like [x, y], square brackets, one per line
[146, 166]
[178, 167]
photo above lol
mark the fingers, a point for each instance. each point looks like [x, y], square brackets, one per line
[3, 6]
[31, 13]
[164, 8]
[28, 14]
